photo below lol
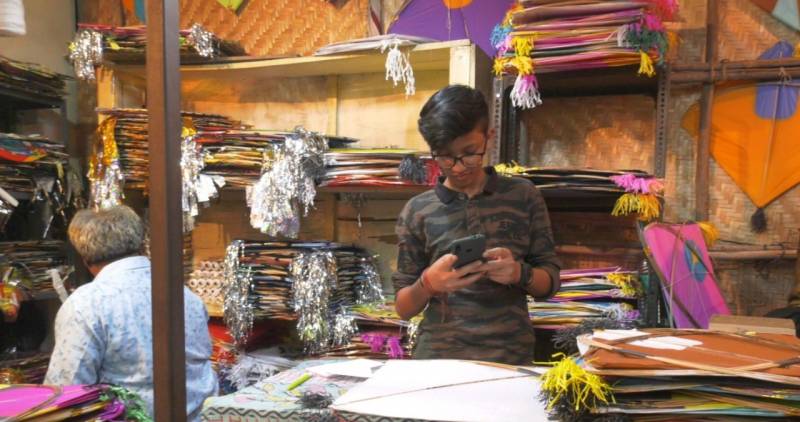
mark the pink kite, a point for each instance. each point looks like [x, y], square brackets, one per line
[679, 255]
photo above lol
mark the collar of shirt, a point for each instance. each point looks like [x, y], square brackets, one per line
[447, 195]
[122, 265]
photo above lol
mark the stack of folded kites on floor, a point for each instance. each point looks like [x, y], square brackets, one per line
[673, 375]
[30, 78]
[315, 283]
[26, 402]
[94, 44]
[382, 334]
[27, 264]
[378, 167]
[29, 368]
[589, 297]
[546, 36]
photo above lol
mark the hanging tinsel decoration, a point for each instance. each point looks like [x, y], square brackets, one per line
[202, 41]
[86, 52]
[105, 174]
[314, 279]
[398, 65]
[237, 309]
[369, 290]
[197, 188]
[287, 183]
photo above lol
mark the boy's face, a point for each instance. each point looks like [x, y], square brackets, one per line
[462, 161]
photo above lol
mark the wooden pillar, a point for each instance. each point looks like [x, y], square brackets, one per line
[166, 236]
[701, 177]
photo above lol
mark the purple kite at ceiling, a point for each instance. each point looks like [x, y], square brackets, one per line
[446, 20]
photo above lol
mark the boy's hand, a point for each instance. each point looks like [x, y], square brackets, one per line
[501, 266]
[442, 277]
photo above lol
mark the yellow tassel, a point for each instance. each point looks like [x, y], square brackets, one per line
[522, 45]
[797, 50]
[646, 64]
[647, 206]
[500, 65]
[567, 379]
[509, 169]
[710, 233]
[523, 64]
[625, 282]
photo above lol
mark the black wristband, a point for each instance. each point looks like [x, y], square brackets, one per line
[525, 271]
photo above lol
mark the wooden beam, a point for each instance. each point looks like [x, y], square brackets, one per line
[723, 254]
[166, 237]
[701, 177]
[765, 74]
[723, 67]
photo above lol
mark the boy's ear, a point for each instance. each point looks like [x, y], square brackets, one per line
[490, 134]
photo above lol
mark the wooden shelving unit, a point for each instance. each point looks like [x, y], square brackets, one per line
[343, 95]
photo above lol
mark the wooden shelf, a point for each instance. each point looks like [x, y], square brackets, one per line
[377, 190]
[431, 56]
[16, 99]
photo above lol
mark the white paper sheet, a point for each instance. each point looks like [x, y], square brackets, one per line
[394, 391]
[357, 368]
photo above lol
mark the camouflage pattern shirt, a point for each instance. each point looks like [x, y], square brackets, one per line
[485, 321]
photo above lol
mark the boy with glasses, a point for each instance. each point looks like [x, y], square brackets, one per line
[478, 311]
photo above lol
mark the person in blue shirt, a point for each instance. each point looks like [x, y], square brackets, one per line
[103, 331]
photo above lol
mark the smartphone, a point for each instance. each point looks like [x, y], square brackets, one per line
[468, 249]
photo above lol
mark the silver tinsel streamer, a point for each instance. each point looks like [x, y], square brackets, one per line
[197, 188]
[107, 191]
[286, 184]
[237, 309]
[7, 205]
[86, 52]
[370, 289]
[313, 282]
[191, 164]
[201, 40]
[344, 328]
[413, 332]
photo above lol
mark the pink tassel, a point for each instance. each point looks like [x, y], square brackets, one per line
[653, 23]
[395, 349]
[525, 93]
[632, 184]
[375, 341]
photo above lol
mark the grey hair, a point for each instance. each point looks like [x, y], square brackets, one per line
[107, 234]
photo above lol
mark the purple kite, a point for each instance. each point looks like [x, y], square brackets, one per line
[446, 20]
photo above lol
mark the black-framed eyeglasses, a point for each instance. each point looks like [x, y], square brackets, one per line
[468, 160]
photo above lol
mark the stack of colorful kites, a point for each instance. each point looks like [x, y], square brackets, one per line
[31, 79]
[636, 192]
[378, 167]
[541, 36]
[382, 334]
[25, 402]
[33, 265]
[95, 43]
[589, 298]
[26, 369]
[315, 283]
[674, 375]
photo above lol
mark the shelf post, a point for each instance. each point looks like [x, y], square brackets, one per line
[166, 236]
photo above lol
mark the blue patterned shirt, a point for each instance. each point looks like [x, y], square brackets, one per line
[104, 335]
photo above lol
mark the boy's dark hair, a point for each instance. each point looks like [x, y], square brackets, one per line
[452, 112]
